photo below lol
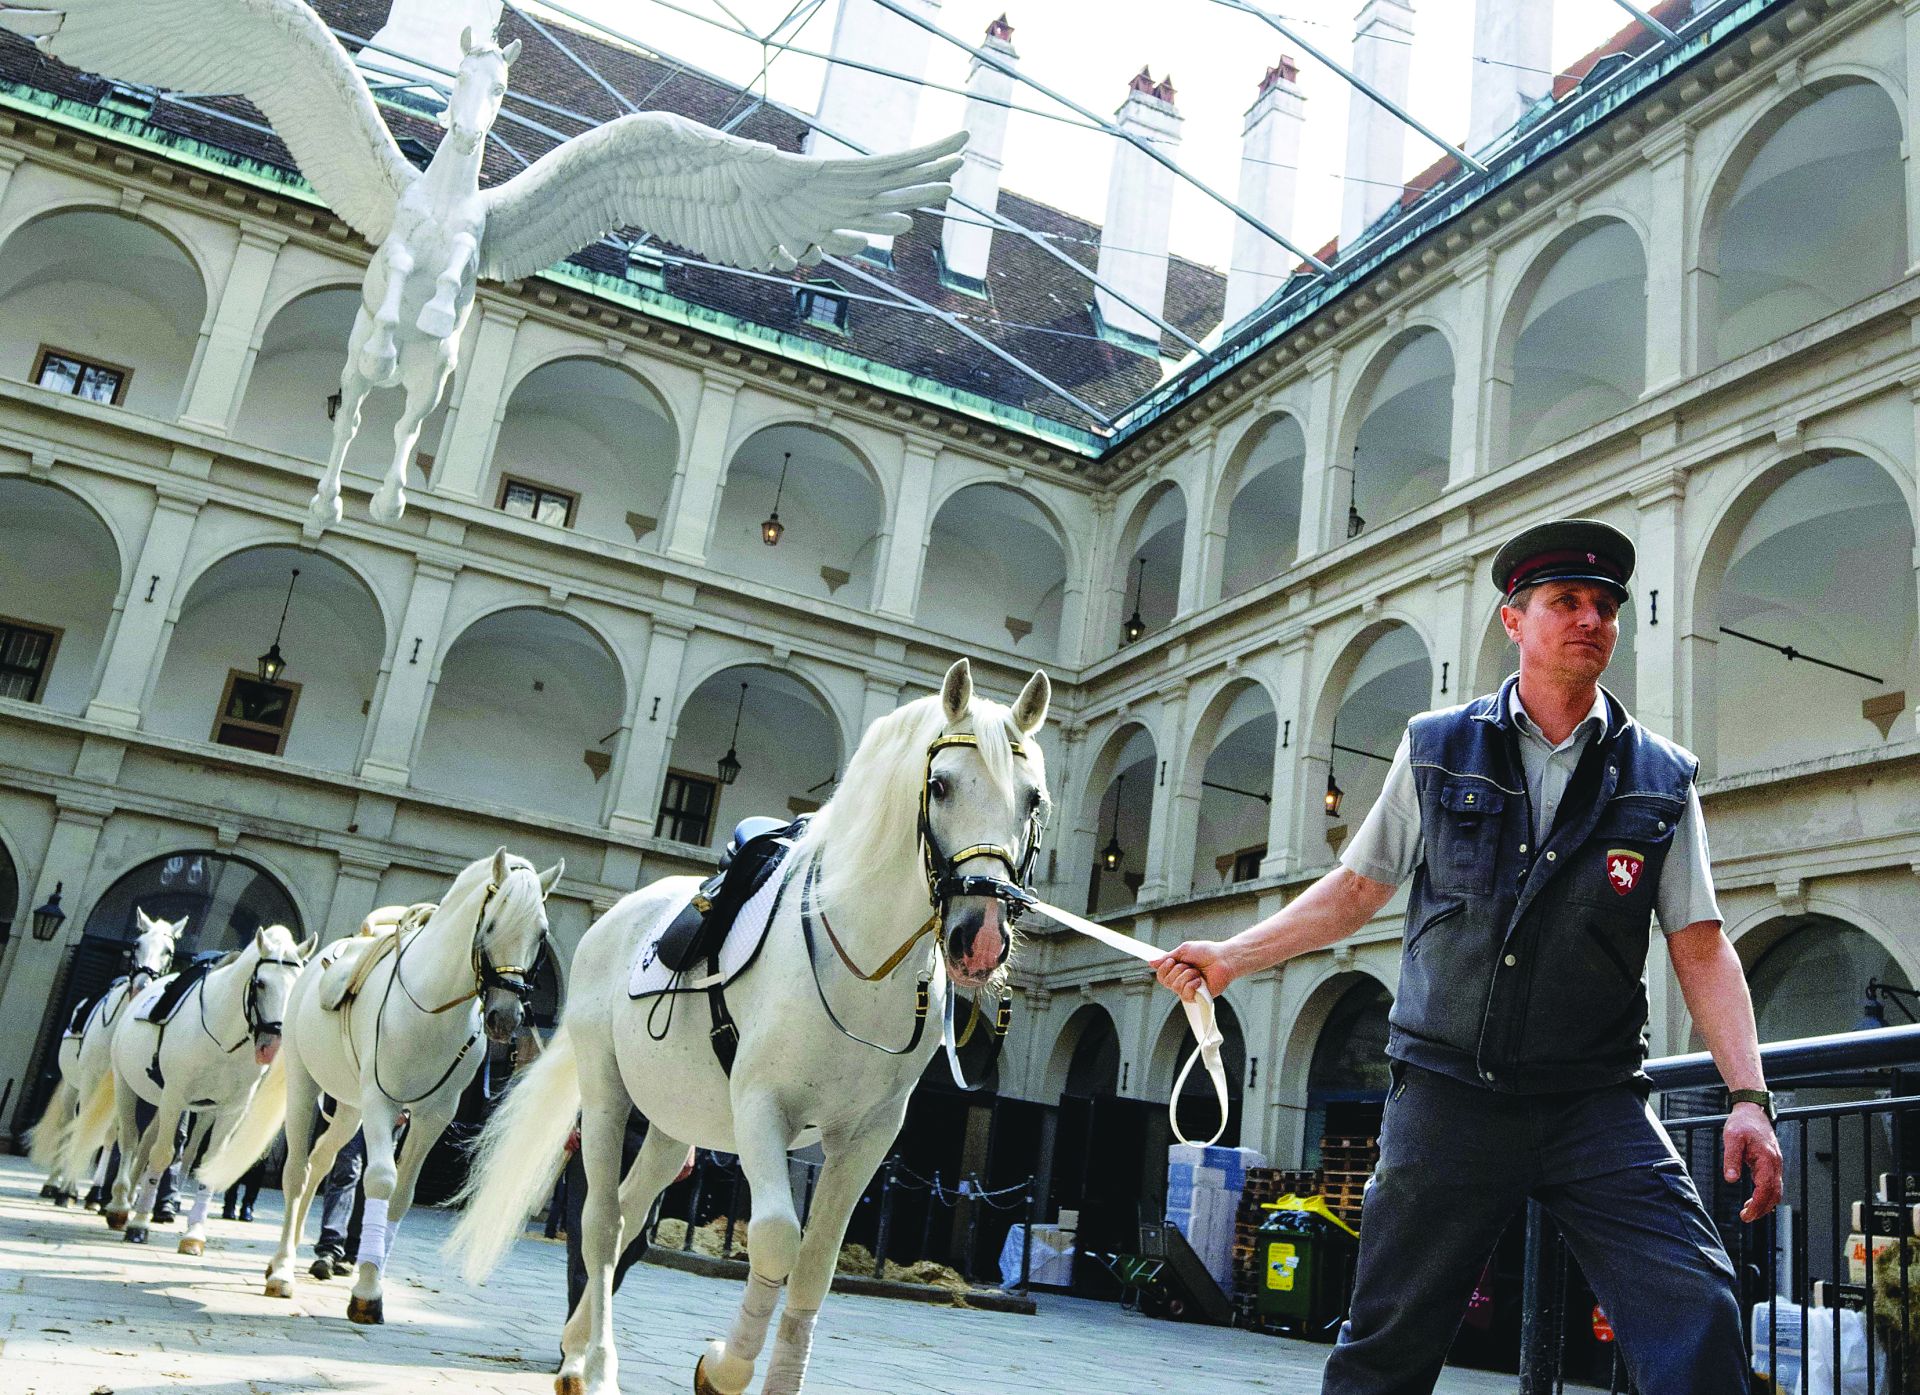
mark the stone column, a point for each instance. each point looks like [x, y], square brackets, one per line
[1200, 547]
[10, 160]
[475, 415]
[1323, 481]
[882, 696]
[1158, 877]
[1656, 593]
[140, 625]
[1136, 1029]
[1453, 611]
[1466, 451]
[1283, 814]
[214, 394]
[356, 891]
[636, 802]
[403, 700]
[694, 506]
[1671, 300]
[898, 594]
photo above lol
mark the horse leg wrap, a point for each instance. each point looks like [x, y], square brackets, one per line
[149, 1189]
[197, 1214]
[732, 1364]
[373, 1232]
[792, 1345]
[386, 1251]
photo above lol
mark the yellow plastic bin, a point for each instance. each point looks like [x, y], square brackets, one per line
[1306, 1264]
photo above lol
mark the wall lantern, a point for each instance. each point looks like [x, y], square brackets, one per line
[1136, 626]
[48, 919]
[730, 762]
[1112, 855]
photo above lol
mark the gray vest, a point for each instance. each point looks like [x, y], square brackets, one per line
[1522, 964]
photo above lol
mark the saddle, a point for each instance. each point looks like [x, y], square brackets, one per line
[346, 963]
[175, 988]
[754, 853]
[77, 1019]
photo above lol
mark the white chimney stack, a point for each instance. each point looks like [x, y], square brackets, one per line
[1133, 241]
[1269, 163]
[1516, 39]
[966, 238]
[429, 32]
[1376, 138]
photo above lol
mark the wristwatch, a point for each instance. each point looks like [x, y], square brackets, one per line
[1763, 1098]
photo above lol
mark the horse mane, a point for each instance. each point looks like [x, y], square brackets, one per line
[873, 819]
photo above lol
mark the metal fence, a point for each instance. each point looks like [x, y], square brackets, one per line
[1823, 1283]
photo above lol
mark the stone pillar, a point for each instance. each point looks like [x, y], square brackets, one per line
[404, 698]
[1453, 611]
[1656, 592]
[882, 696]
[356, 891]
[636, 802]
[898, 594]
[1911, 10]
[1672, 319]
[140, 626]
[1198, 543]
[694, 506]
[1136, 1030]
[1322, 494]
[10, 161]
[1157, 878]
[1289, 798]
[214, 394]
[475, 416]
[1466, 449]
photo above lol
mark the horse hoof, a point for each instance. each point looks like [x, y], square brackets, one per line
[279, 1288]
[701, 1386]
[135, 1235]
[436, 320]
[321, 1269]
[388, 505]
[64, 1200]
[368, 1312]
[569, 1385]
[325, 510]
[116, 1220]
[192, 1245]
[48, 1192]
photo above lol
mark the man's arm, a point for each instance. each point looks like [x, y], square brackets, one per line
[1331, 909]
[1716, 992]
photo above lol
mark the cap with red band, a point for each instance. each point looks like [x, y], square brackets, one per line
[1566, 549]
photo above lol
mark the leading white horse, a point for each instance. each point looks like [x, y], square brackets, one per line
[944, 797]
[85, 1057]
[406, 1042]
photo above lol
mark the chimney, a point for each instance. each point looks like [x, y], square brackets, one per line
[427, 31]
[1376, 138]
[1515, 40]
[1269, 160]
[1133, 240]
[966, 240]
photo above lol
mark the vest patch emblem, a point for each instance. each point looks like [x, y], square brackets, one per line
[1623, 869]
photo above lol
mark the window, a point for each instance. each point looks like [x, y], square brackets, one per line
[822, 306]
[537, 502]
[686, 808]
[647, 267]
[1246, 864]
[26, 654]
[255, 716]
[78, 377]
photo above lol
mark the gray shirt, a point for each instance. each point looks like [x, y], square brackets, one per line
[1388, 846]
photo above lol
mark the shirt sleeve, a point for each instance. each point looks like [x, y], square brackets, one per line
[1685, 895]
[1387, 846]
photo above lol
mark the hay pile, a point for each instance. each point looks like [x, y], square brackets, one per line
[857, 1260]
[709, 1239]
[1896, 1316]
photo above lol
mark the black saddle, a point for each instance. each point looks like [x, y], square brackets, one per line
[162, 1009]
[754, 853]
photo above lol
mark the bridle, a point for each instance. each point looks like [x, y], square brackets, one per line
[257, 1026]
[943, 881]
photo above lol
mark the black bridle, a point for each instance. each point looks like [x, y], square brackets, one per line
[944, 880]
[257, 1025]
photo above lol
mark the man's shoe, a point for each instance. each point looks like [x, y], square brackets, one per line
[164, 1216]
[246, 1212]
[226, 1212]
[342, 1266]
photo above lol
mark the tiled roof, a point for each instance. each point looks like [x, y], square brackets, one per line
[1035, 309]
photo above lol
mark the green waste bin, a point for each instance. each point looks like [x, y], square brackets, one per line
[1306, 1267]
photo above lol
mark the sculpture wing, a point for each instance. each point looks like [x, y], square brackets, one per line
[729, 200]
[277, 54]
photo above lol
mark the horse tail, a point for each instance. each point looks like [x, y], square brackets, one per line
[50, 1134]
[516, 1159]
[90, 1131]
[253, 1133]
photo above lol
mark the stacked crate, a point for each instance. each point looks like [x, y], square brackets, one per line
[1345, 1165]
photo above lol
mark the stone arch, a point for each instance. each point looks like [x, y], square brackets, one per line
[788, 744]
[1814, 553]
[1118, 809]
[527, 707]
[1572, 346]
[286, 403]
[1396, 433]
[13, 889]
[65, 565]
[586, 443]
[334, 641]
[1198, 1104]
[996, 563]
[1155, 532]
[1256, 505]
[1229, 779]
[1379, 678]
[1319, 1017]
[146, 321]
[1805, 215]
[834, 508]
[1085, 1059]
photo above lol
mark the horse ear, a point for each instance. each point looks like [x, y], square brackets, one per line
[260, 939]
[1030, 708]
[466, 39]
[143, 920]
[307, 946]
[956, 691]
[511, 52]
[180, 926]
[550, 877]
[499, 865]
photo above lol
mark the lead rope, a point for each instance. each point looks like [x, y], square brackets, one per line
[1201, 1019]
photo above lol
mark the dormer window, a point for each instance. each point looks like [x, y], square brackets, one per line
[128, 100]
[646, 266]
[822, 305]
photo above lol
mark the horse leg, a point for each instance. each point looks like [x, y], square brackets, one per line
[126, 1142]
[394, 264]
[594, 1368]
[762, 1129]
[851, 1161]
[439, 317]
[339, 1132]
[298, 1180]
[366, 1304]
[654, 1168]
[423, 395]
[150, 1158]
[194, 1241]
[422, 1134]
[324, 509]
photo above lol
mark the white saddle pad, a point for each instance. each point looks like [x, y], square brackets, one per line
[650, 978]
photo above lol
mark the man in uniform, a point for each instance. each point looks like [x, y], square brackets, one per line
[1543, 828]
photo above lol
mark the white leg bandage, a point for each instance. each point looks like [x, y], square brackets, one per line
[373, 1232]
[791, 1348]
[756, 1315]
[386, 1253]
[149, 1189]
[197, 1216]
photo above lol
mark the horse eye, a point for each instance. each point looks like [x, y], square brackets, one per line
[937, 787]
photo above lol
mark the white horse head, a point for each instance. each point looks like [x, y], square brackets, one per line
[509, 934]
[151, 954]
[272, 962]
[478, 90]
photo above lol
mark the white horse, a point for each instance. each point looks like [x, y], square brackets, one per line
[84, 1056]
[407, 1042]
[938, 793]
[197, 1063]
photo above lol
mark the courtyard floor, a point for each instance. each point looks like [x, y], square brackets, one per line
[82, 1313]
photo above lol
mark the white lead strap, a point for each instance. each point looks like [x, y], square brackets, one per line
[1200, 1016]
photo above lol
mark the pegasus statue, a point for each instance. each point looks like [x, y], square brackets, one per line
[734, 201]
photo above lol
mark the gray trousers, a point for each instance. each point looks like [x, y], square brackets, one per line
[1458, 1162]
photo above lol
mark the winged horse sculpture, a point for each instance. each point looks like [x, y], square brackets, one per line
[729, 200]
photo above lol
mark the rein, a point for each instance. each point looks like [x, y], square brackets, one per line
[249, 1010]
[807, 914]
